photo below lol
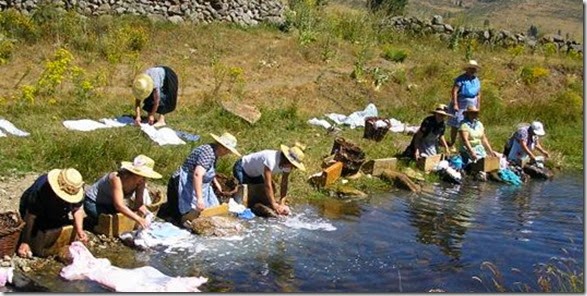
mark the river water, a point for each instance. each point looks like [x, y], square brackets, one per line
[393, 242]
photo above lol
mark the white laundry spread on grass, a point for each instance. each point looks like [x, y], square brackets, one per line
[162, 136]
[8, 127]
[86, 125]
[143, 279]
[357, 119]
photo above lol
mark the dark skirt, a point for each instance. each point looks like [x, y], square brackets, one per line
[168, 99]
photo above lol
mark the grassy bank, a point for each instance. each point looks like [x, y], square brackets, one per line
[59, 66]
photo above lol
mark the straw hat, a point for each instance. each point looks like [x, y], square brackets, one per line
[538, 128]
[142, 86]
[142, 166]
[442, 109]
[471, 109]
[471, 64]
[228, 141]
[67, 184]
[295, 155]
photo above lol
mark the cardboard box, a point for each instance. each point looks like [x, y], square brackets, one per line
[376, 167]
[487, 164]
[215, 211]
[114, 225]
[426, 164]
[332, 173]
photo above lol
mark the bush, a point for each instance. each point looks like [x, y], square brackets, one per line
[394, 55]
[6, 49]
[531, 74]
[388, 7]
[18, 26]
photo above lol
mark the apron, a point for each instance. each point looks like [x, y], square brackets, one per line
[428, 144]
[187, 195]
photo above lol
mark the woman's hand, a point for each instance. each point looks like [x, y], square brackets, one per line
[143, 223]
[137, 120]
[24, 251]
[200, 205]
[82, 237]
[151, 119]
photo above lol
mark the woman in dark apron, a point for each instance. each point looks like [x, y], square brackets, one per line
[157, 88]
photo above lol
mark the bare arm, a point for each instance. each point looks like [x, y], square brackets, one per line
[78, 225]
[485, 142]
[156, 100]
[454, 96]
[479, 100]
[465, 137]
[444, 143]
[24, 247]
[118, 201]
[283, 187]
[542, 150]
[269, 187]
[198, 181]
[417, 138]
[137, 111]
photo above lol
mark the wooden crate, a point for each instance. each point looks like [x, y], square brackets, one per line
[215, 211]
[332, 173]
[376, 167]
[426, 164]
[114, 225]
[486, 164]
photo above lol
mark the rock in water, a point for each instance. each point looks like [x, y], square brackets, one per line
[216, 226]
[262, 210]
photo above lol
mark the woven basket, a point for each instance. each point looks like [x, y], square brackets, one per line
[351, 156]
[10, 227]
[159, 198]
[373, 133]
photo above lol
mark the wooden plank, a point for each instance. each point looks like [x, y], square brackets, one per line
[376, 167]
[332, 173]
[486, 164]
[249, 113]
[427, 164]
[114, 225]
[215, 211]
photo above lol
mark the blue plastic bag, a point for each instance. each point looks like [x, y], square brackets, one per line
[247, 214]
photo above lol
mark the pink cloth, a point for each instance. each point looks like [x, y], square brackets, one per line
[143, 279]
[6, 274]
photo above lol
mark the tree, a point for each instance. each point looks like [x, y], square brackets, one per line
[389, 7]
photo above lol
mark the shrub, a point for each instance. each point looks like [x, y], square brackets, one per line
[394, 55]
[6, 49]
[18, 26]
[531, 74]
[388, 7]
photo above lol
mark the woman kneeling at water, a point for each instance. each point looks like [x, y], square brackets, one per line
[107, 195]
[259, 168]
[472, 134]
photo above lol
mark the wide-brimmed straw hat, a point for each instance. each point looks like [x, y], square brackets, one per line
[471, 109]
[143, 166]
[442, 109]
[295, 156]
[142, 86]
[471, 64]
[538, 128]
[228, 141]
[67, 184]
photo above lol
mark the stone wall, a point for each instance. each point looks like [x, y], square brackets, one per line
[490, 36]
[244, 12]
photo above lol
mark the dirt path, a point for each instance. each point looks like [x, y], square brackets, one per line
[11, 189]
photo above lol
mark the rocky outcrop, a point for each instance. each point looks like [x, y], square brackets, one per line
[490, 36]
[243, 12]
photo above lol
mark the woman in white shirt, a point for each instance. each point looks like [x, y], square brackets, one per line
[259, 168]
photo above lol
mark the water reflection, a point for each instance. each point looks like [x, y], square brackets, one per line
[332, 208]
[442, 217]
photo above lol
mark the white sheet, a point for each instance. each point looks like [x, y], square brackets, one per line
[354, 119]
[143, 279]
[160, 234]
[162, 136]
[86, 125]
[11, 129]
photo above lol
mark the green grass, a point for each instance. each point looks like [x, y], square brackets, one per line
[309, 75]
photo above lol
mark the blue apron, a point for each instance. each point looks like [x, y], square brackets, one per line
[187, 195]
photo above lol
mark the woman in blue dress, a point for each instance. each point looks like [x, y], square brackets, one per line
[466, 91]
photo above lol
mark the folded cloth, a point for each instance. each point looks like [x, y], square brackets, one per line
[247, 214]
[162, 136]
[187, 136]
[6, 274]
[320, 122]
[235, 207]
[11, 129]
[159, 234]
[143, 279]
[355, 119]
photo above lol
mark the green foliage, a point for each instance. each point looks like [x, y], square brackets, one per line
[18, 26]
[394, 55]
[515, 52]
[124, 42]
[532, 74]
[6, 50]
[304, 17]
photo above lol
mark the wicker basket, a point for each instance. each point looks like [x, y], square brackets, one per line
[373, 133]
[10, 227]
[159, 198]
[351, 156]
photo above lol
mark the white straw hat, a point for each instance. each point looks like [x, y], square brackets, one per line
[143, 166]
[472, 64]
[538, 128]
[442, 109]
[227, 140]
[295, 155]
[67, 184]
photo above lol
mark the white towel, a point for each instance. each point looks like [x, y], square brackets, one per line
[355, 119]
[11, 129]
[163, 136]
[86, 125]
